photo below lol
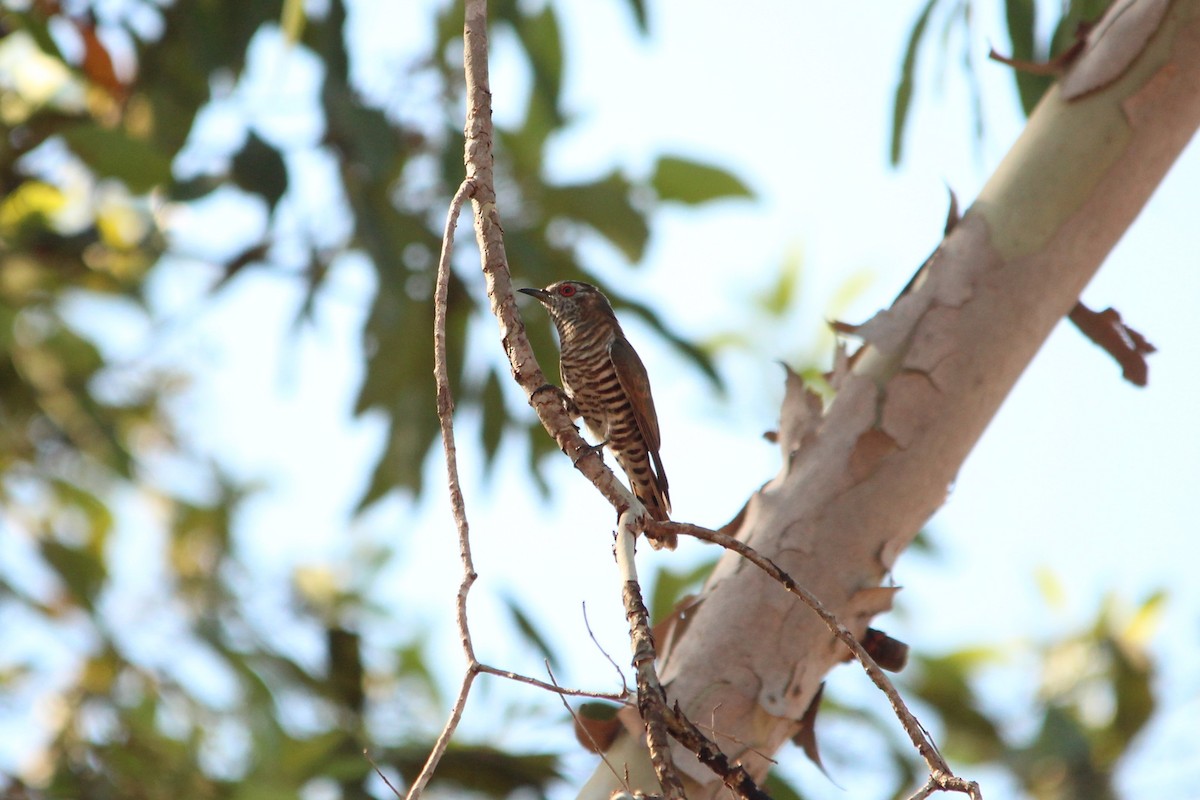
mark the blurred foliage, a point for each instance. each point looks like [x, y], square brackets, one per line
[1092, 697]
[1095, 696]
[951, 16]
[100, 104]
[91, 174]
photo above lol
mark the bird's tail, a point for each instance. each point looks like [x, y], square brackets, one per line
[654, 497]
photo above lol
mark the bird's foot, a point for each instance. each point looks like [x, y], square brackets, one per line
[565, 399]
[587, 450]
[548, 387]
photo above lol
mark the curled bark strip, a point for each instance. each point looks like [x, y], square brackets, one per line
[1128, 347]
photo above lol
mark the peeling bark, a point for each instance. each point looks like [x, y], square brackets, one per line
[859, 480]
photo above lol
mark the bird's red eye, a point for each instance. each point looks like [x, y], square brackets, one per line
[566, 290]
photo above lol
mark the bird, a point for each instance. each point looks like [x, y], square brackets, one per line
[606, 384]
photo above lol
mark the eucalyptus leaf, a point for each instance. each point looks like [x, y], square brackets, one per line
[112, 153]
[693, 182]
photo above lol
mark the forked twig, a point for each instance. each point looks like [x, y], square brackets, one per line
[445, 410]
[939, 770]
[525, 369]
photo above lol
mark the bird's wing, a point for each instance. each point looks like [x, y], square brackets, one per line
[631, 374]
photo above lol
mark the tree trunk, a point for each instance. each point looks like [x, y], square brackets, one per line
[860, 480]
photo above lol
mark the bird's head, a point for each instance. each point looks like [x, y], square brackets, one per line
[570, 301]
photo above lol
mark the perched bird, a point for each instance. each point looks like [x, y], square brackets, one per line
[607, 385]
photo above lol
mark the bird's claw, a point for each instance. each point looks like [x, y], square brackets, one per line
[547, 387]
[587, 450]
[563, 398]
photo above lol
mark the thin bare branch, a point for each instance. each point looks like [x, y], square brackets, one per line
[445, 411]
[938, 768]
[445, 407]
[616, 697]
[379, 772]
[600, 647]
[581, 727]
[479, 187]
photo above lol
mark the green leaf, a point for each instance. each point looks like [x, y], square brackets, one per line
[399, 379]
[1062, 738]
[412, 664]
[1079, 13]
[259, 168]
[598, 710]
[529, 630]
[778, 788]
[605, 206]
[302, 758]
[409, 438]
[541, 448]
[1134, 693]
[36, 25]
[638, 7]
[346, 673]
[494, 416]
[80, 570]
[480, 768]
[777, 299]
[944, 683]
[693, 353]
[1021, 16]
[692, 182]
[540, 35]
[115, 154]
[1146, 619]
[904, 89]
[670, 586]
[99, 517]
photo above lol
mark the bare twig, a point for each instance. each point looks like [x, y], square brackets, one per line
[581, 727]
[652, 700]
[616, 697]
[600, 647]
[717, 733]
[445, 409]
[939, 770]
[379, 772]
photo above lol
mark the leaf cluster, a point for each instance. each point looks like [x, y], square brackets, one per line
[94, 165]
[942, 24]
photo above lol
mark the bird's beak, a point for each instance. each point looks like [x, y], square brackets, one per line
[541, 294]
